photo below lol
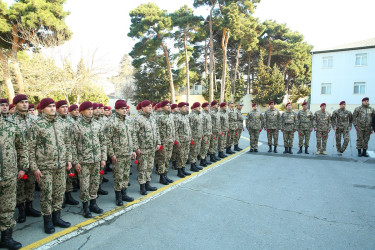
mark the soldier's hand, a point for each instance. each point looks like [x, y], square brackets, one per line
[282, 130]
[68, 166]
[138, 152]
[157, 148]
[20, 174]
[178, 145]
[102, 164]
[114, 159]
[78, 168]
[38, 175]
[316, 130]
[133, 155]
[310, 129]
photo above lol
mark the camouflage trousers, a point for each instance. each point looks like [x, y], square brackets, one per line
[321, 140]
[222, 141]
[26, 189]
[273, 133]
[237, 136]
[52, 187]
[254, 137]
[89, 181]
[342, 133]
[182, 154]
[70, 181]
[288, 138]
[174, 153]
[230, 138]
[304, 134]
[164, 156]
[145, 166]
[7, 203]
[213, 143]
[195, 150]
[363, 137]
[121, 173]
[205, 145]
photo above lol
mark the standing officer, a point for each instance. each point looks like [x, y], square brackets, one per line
[288, 127]
[12, 109]
[254, 124]
[216, 131]
[89, 152]
[175, 116]
[183, 133]
[50, 157]
[73, 113]
[322, 126]
[362, 118]
[207, 132]
[107, 111]
[342, 120]
[4, 108]
[272, 126]
[224, 126]
[195, 121]
[239, 128]
[232, 118]
[304, 126]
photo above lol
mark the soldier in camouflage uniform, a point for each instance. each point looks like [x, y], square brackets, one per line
[254, 124]
[73, 113]
[288, 127]
[362, 117]
[12, 109]
[224, 126]
[272, 126]
[107, 112]
[121, 146]
[239, 128]
[168, 138]
[207, 132]
[89, 153]
[304, 126]
[175, 116]
[25, 188]
[50, 157]
[322, 126]
[232, 118]
[148, 139]
[14, 162]
[4, 108]
[342, 120]
[195, 121]
[216, 131]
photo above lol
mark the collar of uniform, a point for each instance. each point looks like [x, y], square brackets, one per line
[121, 117]
[196, 111]
[96, 117]
[365, 106]
[50, 118]
[61, 115]
[145, 114]
[4, 115]
[214, 109]
[18, 113]
[87, 119]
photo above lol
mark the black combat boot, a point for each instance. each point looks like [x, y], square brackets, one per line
[21, 213]
[206, 161]
[142, 189]
[37, 187]
[197, 167]
[94, 207]
[256, 150]
[239, 149]
[125, 197]
[48, 225]
[180, 173]
[162, 180]
[364, 153]
[184, 172]
[7, 240]
[193, 167]
[69, 199]
[64, 203]
[166, 177]
[221, 154]
[57, 221]
[286, 150]
[174, 165]
[216, 158]
[105, 179]
[229, 151]
[149, 187]
[236, 148]
[212, 158]
[202, 163]
[118, 198]
[275, 149]
[30, 211]
[251, 150]
[300, 150]
[101, 191]
[306, 151]
[86, 210]
[359, 152]
[270, 148]
[290, 151]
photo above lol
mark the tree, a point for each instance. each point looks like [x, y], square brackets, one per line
[124, 80]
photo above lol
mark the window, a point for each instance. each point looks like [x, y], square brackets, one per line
[196, 87]
[326, 89]
[327, 62]
[361, 59]
[360, 88]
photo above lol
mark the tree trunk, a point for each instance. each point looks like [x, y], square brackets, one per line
[169, 70]
[211, 87]
[236, 68]
[224, 44]
[6, 75]
[14, 62]
[187, 69]
[248, 71]
[205, 60]
[17, 72]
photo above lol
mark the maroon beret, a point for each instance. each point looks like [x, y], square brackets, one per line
[11, 106]
[213, 103]
[153, 104]
[101, 105]
[31, 106]
[127, 106]
[288, 104]
[323, 104]
[364, 99]
[4, 101]
[173, 106]
[119, 100]
[157, 106]
[342, 102]
[73, 107]
[107, 108]
[145, 103]
[45, 102]
[187, 104]
[121, 104]
[19, 98]
[181, 104]
[85, 105]
[271, 102]
[164, 103]
[61, 103]
[223, 104]
[38, 106]
[139, 106]
[195, 105]
[95, 105]
[304, 103]
[253, 105]
[205, 104]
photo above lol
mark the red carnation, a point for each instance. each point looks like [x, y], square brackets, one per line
[300, 133]
[370, 132]
[24, 177]
[136, 162]
[268, 131]
[228, 135]
[71, 174]
[236, 133]
[205, 142]
[101, 172]
[161, 147]
[214, 137]
[260, 130]
[192, 143]
[223, 133]
[175, 142]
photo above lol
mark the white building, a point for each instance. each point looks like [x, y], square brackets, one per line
[343, 73]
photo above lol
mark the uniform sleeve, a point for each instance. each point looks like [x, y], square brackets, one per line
[158, 142]
[350, 119]
[262, 120]
[109, 136]
[355, 117]
[134, 135]
[329, 121]
[333, 119]
[279, 119]
[32, 139]
[282, 121]
[248, 121]
[22, 153]
[295, 121]
[74, 144]
[103, 145]
[67, 142]
[315, 120]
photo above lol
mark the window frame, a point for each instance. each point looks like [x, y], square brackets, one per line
[361, 56]
[327, 59]
[359, 84]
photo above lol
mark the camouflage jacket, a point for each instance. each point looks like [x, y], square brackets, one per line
[342, 119]
[224, 122]
[147, 133]
[49, 144]
[322, 121]
[215, 119]
[13, 150]
[88, 142]
[4, 115]
[232, 118]
[166, 127]
[206, 123]
[175, 117]
[120, 136]
[272, 119]
[239, 119]
[289, 121]
[362, 117]
[304, 120]
[195, 120]
[183, 130]
[99, 119]
[24, 121]
[254, 120]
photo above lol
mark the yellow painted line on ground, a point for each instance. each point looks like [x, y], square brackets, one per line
[81, 225]
[245, 138]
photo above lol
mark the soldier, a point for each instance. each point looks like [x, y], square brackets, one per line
[207, 132]
[254, 124]
[107, 111]
[322, 126]
[239, 128]
[288, 127]
[31, 109]
[272, 126]
[101, 112]
[183, 132]
[4, 106]
[147, 137]
[25, 188]
[362, 118]
[12, 109]
[73, 113]
[89, 153]
[232, 118]
[342, 120]
[50, 157]
[121, 149]
[224, 126]
[216, 131]
[195, 122]
[38, 109]
[175, 116]
[14, 163]
[304, 126]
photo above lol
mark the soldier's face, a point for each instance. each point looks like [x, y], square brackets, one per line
[50, 109]
[231, 105]
[32, 111]
[167, 107]
[106, 112]
[206, 108]
[87, 112]
[101, 110]
[323, 108]
[272, 106]
[224, 108]
[75, 113]
[198, 109]
[96, 111]
[11, 111]
[22, 106]
[147, 109]
[304, 107]
[289, 107]
[239, 107]
[122, 111]
[4, 108]
[342, 106]
[365, 103]
[255, 107]
[63, 110]
[215, 106]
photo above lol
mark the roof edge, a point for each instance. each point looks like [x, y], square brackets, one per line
[338, 50]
